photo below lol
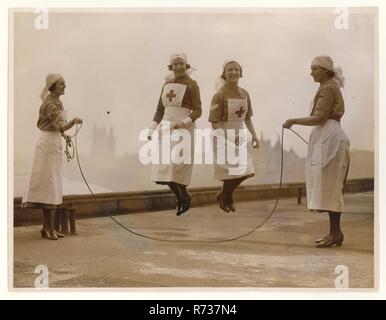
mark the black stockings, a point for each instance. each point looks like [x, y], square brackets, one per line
[335, 223]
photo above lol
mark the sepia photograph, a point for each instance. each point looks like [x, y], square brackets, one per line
[193, 148]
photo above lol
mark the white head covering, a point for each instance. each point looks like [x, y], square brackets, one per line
[327, 63]
[50, 80]
[182, 56]
[220, 82]
[174, 56]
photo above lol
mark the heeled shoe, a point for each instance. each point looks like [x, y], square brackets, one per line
[341, 237]
[222, 201]
[330, 240]
[43, 233]
[59, 234]
[51, 235]
[231, 204]
[321, 239]
[179, 206]
[186, 202]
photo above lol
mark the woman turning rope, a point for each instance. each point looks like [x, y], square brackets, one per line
[44, 188]
[179, 105]
[230, 109]
[328, 154]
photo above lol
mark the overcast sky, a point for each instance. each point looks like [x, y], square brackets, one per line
[116, 62]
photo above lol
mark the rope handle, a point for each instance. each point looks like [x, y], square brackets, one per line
[70, 150]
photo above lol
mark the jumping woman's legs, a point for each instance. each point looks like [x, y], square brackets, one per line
[186, 199]
[235, 183]
[176, 190]
[225, 196]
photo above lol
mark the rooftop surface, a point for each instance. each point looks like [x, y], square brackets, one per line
[280, 254]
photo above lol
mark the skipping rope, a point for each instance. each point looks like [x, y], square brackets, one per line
[70, 156]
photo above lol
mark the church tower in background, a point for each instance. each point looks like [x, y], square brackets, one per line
[103, 143]
[111, 143]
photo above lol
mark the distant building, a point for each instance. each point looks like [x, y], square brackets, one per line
[267, 161]
[103, 143]
[111, 143]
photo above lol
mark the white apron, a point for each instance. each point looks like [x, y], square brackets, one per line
[172, 96]
[45, 181]
[223, 170]
[326, 167]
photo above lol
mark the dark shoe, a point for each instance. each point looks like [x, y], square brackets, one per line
[331, 240]
[43, 233]
[231, 204]
[186, 202]
[323, 239]
[222, 201]
[179, 206]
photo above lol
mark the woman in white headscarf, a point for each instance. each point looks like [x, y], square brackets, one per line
[44, 188]
[328, 154]
[230, 110]
[179, 105]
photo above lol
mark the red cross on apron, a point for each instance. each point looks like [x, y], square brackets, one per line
[171, 95]
[240, 112]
